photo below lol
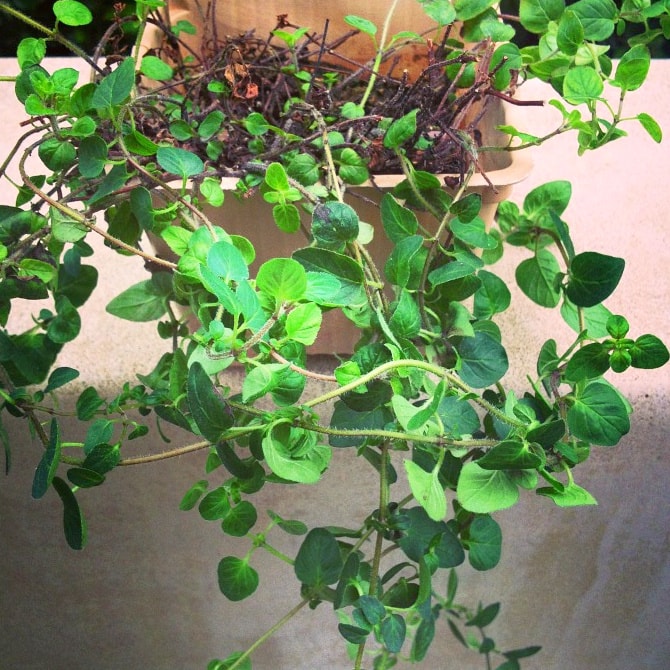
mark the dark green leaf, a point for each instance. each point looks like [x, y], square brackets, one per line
[240, 519]
[92, 156]
[588, 362]
[393, 631]
[484, 543]
[398, 221]
[48, 464]
[84, 478]
[208, 408]
[483, 360]
[59, 377]
[318, 561]
[334, 224]
[648, 352]
[237, 579]
[353, 634]
[593, 277]
[193, 495]
[510, 454]
[485, 616]
[88, 403]
[144, 301]
[74, 523]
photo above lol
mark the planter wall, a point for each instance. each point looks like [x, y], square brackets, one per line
[592, 586]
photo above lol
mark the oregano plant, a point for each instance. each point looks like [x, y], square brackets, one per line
[142, 148]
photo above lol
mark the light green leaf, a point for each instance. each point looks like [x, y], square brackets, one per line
[485, 491]
[427, 490]
[72, 13]
[284, 279]
[537, 278]
[155, 68]
[116, 86]
[179, 161]
[303, 323]
[571, 496]
[582, 84]
[144, 301]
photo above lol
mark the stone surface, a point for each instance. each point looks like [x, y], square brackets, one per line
[592, 586]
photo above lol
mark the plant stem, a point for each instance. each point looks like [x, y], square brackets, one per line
[268, 634]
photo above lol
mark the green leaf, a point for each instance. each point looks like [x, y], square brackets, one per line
[74, 523]
[284, 279]
[48, 464]
[85, 478]
[485, 616]
[215, 505]
[72, 13]
[155, 68]
[240, 519]
[469, 9]
[648, 352]
[88, 403]
[193, 495]
[227, 262]
[30, 51]
[353, 634]
[570, 36]
[304, 469]
[427, 490]
[485, 491]
[237, 579]
[115, 87]
[582, 84]
[588, 362]
[287, 217]
[423, 535]
[398, 221]
[571, 496]
[292, 527]
[405, 321]
[599, 415]
[334, 224]
[361, 24]
[303, 323]
[592, 278]
[57, 154]
[393, 631]
[261, 380]
[492, 297]
[144, 301]
[536, 15]
[179, 161]
[59, 377]
[399, 265]
[598, 18]
[401, 130]
[511, 454]
[537, 278]
[211, 191]
[318, 562]
[276, 177]
[208, 408]
[256, 125]
[651, 126]
[473, 233]
[443, 13]
[483, 360]
[484, 543]
[633, 68]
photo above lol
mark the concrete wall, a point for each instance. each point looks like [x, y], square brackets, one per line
[592, 586]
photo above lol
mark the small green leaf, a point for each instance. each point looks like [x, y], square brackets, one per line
[398, 221]
[240, 519]
[215, 505]
[393, 631]
[582, 84]
[599, 415]
[210, 411]
[193, 495]
[116, 86]
[592, 278]
[571, 496]
[303, 323]
[511, 454]
[31, 51]
[483, 360]
[484, 543]
[484, 616]
[88, 403]
[401, 130]
[633, 68]
[648, 352]
[72, 13]
[651, 126]
[256, 125]
[537, 278]
[179, 161]
[589, 362]
[318, 561]
[59, 377]
[282, 278]
[485, 491]
[286, 217]
[144, 301]
[427, 490]
[48, 464]
[359, 23]
[276, 177]
[74, 523]
[155, 68]
[237, 579]
[334, 224]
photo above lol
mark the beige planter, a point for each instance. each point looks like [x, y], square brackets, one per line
[237, 16]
